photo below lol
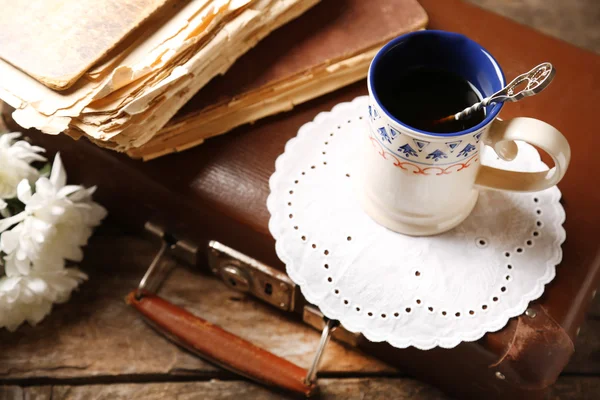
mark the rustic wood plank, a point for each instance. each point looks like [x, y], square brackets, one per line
[586, 359]
[574, 21]
[576, 388]
[25, 393]
[595, 307]
[91, 336]
[382, 388]
[580, 388]
[78, 339]
[97, 335]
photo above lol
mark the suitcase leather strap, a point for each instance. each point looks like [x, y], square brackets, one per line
[211, 342]
[218, 346]
[538, 351]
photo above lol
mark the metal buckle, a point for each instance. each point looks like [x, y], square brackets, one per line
[330, 326]
[159, 270]
[245, 274]
[248, 275]
[313, 317]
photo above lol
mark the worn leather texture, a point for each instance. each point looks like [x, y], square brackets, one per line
[218, 191]
[219, 346]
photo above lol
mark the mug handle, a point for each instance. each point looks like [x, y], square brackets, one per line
[538, 133]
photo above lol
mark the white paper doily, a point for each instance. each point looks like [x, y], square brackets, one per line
[408, 291]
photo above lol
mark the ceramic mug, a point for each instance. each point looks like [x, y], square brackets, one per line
[423, 183]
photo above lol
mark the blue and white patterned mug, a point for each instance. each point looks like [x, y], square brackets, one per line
[422, 183]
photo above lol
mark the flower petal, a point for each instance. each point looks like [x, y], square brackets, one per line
[9, 241]
[58, 175]
[69, 190]
[44, 188]
[10, 221]
[7, 138]
[24, 191]
[37, 285]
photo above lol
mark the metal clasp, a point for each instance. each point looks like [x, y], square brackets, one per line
[159, 268]
[246, 274]
[330, 326]
[313, 317]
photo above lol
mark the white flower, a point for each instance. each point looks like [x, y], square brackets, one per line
[30, 298]
[57, 220]
[15, 158]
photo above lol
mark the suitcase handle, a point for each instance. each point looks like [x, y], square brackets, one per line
[218, 346]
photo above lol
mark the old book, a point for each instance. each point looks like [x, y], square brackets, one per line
[144, 120]
[329, 47]
[124, 99]
[64, 47]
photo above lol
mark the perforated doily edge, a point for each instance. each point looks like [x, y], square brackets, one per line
[428, 344]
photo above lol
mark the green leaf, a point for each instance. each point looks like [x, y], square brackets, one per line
[45, 170]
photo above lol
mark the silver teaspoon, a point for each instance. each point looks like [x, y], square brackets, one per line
[536, 80]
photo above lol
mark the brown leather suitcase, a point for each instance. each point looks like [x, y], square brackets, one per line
[218, 192]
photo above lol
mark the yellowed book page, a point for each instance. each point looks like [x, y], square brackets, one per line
[48, 101]
[56, 41]
[73, 101]
[245, 32]
[192, 24]
[256, 105]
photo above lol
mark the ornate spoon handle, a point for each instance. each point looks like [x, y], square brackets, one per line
[536, 80]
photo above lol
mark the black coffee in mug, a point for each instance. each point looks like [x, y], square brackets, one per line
[420, 96]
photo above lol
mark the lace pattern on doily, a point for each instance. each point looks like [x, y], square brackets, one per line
[408, 291]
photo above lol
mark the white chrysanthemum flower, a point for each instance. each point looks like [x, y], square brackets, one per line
[57, 220]
[15, 158]
[30, 298]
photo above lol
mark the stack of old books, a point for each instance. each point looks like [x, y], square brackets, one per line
[117, 72]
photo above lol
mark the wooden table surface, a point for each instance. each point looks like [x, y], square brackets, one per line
[96, 347]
